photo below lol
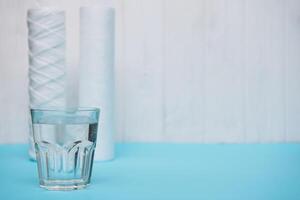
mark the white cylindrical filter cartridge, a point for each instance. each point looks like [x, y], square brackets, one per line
[96, 84]
[47, 77]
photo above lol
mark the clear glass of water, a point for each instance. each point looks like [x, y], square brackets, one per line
[65, 140]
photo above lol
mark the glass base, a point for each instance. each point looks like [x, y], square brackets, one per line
[63, 185]
[63, 188]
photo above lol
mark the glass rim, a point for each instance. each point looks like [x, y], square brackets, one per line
[65, 109]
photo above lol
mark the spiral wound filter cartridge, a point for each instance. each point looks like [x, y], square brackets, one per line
[96, 71]
[47, 77]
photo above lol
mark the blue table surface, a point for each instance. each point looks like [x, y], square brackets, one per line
[169, 171]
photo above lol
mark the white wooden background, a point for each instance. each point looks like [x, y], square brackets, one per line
[186, 70]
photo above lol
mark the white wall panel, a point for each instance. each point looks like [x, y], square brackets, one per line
[192, 71]
[142, 70]
[274, 71]
[184, 69]
[224, 71]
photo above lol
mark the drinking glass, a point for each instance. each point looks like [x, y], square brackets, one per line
[65, 140]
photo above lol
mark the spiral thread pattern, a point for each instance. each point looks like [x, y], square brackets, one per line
[46, 39]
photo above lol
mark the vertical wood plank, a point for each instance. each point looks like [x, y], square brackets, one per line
[255, 70]
[293, 70]
[274, 71]
[184, 70]
[224, 71]
[234, 64]
[153, 72]
[215, 54]
[143, 73]
[133, 59]
[119, 70]
[196, 51]
[265, 107]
